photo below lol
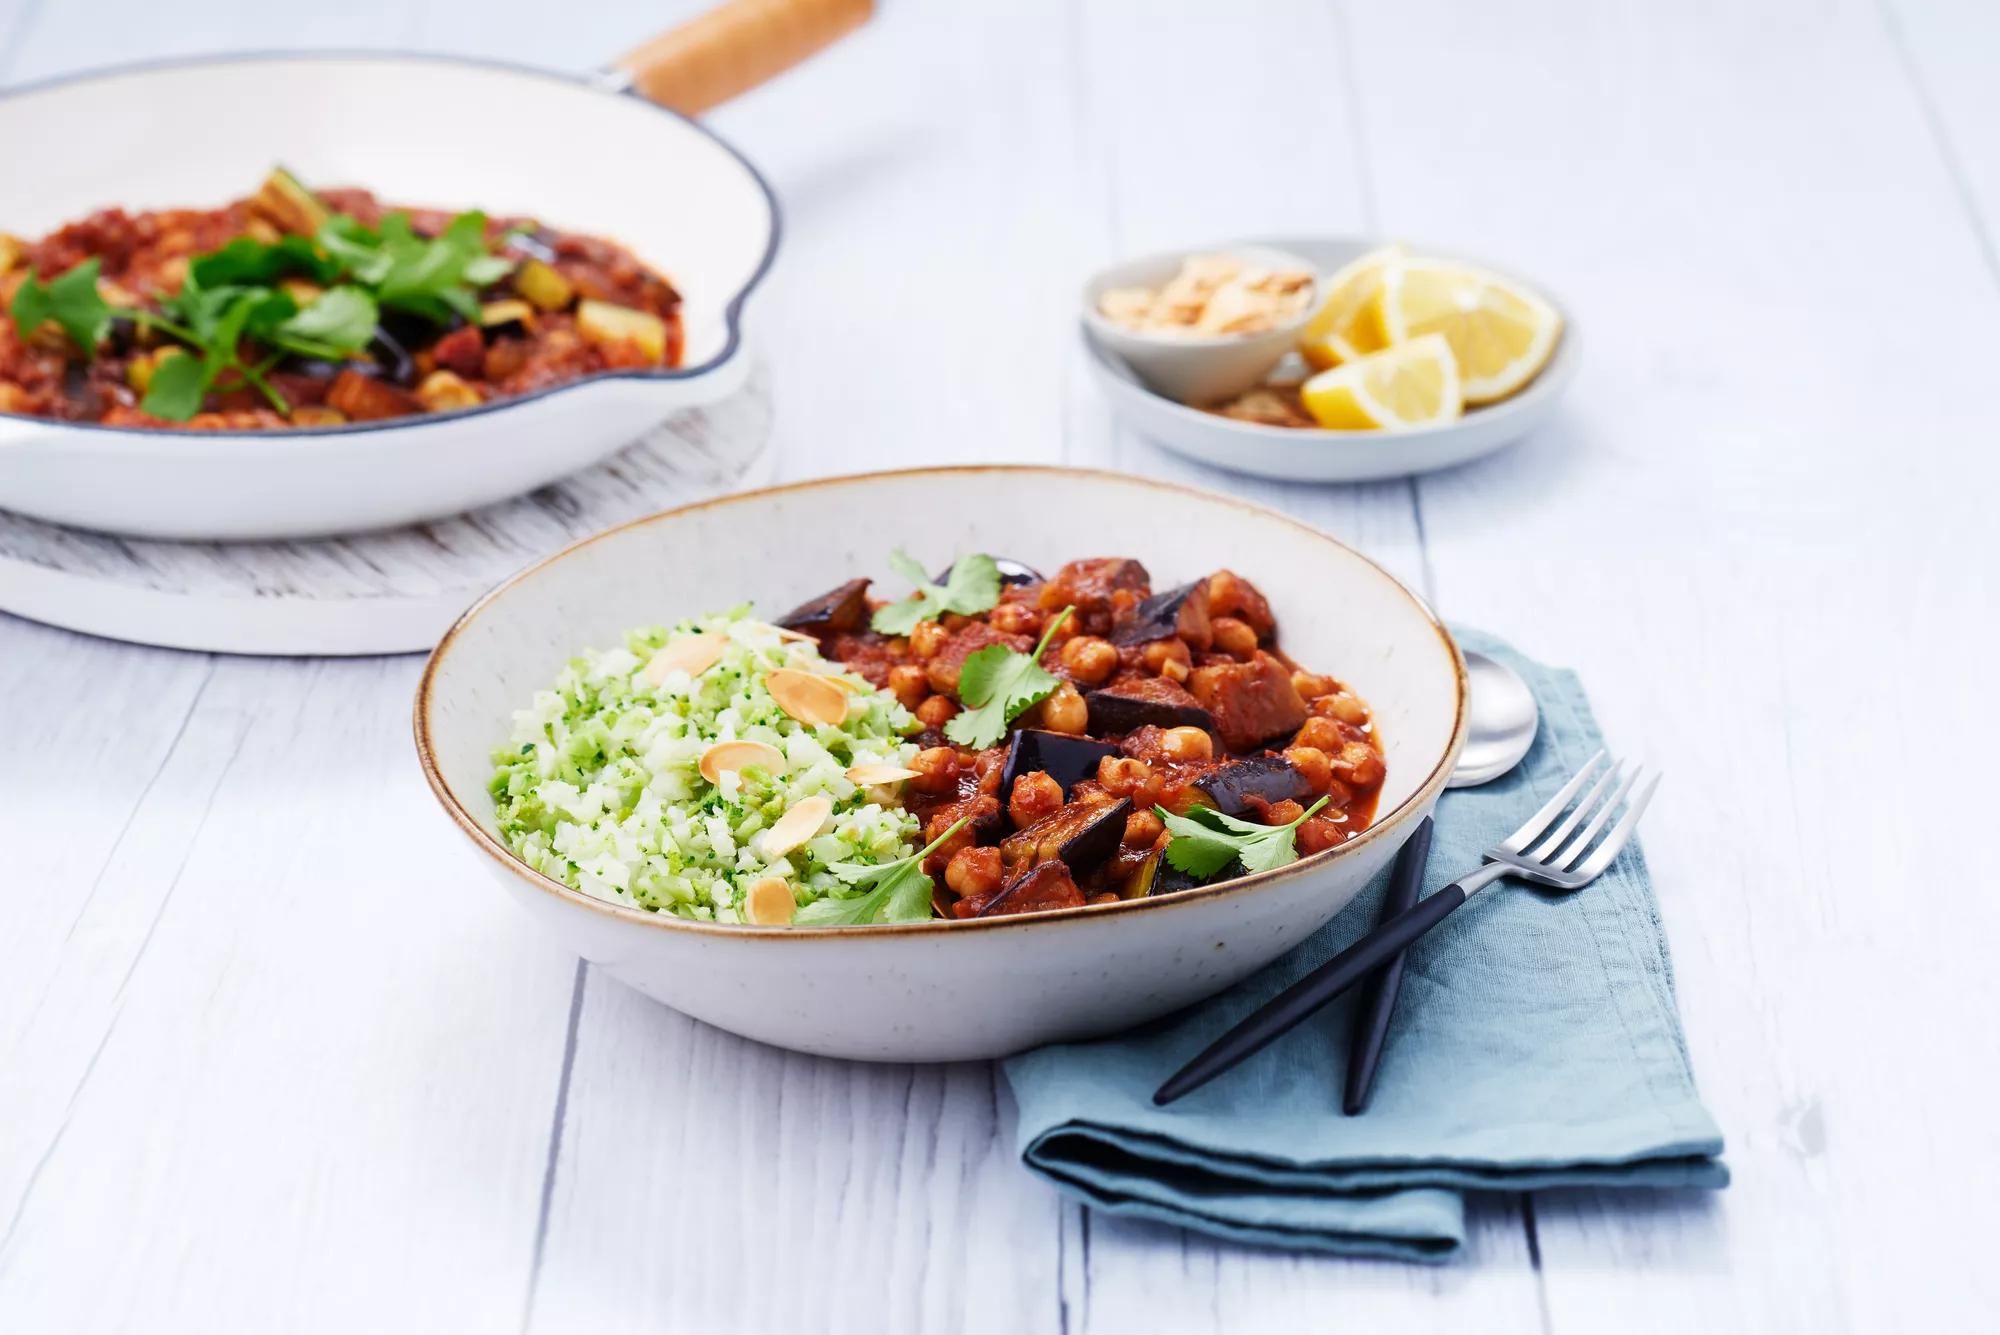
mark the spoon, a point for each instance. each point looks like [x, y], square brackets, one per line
[1499, 732]
[1502, 724]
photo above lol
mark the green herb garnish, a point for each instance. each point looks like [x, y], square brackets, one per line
[892, 891]
[231, 298]
[1206, 840]
[972, 586]
[998, 685]
[71, 300]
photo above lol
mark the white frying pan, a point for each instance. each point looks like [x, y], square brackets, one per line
[614, 155]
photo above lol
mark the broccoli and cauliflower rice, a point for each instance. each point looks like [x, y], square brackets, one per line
[600, 787]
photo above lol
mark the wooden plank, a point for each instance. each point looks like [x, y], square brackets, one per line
[1947, 49]
[1765, 553]
[268, 1075]
[904, 333]
[1283, 160]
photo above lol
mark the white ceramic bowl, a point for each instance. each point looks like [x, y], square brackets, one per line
[696, 211]
[944, 991]
[1301, 455]
[1194, 368]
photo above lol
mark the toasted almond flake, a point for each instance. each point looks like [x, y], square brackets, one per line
[692, 654]
[768, 902]
[796, 636]
[726, 756]
[807, 696]
[869, 775]
[796, 826]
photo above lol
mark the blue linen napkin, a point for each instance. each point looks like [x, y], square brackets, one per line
[1536, 1044]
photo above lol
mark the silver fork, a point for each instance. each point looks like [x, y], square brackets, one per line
[1562, 852]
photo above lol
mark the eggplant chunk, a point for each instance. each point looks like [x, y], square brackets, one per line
[1182, 612]
[1011, 572]
[1082, 835]
[1125, 705]
[840, 609]
[1047, 885]
[1272, 778]
[1058, 755]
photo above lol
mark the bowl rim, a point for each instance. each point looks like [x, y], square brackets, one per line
[1540, 392]
[732, 309]
[1424, 793]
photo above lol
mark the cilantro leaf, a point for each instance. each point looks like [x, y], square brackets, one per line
[973, 586]
[176, 390]
[338, 322]
[892, 891]
[71, 300]
[247, 261]
[216, 323]
[1206, 840]
[998, 685]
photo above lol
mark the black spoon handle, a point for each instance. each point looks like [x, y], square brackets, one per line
[1302, 998]
[1378, 998]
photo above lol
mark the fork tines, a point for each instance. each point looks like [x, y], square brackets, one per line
[1552, 848]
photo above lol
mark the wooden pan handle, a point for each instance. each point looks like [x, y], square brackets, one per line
[734, 47]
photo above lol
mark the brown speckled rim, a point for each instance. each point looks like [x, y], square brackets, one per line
[1049, 919]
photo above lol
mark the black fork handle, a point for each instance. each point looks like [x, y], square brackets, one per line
[1377, 1004]
[1284, 1011]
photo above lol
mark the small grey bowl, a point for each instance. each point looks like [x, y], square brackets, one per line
[1195, 368]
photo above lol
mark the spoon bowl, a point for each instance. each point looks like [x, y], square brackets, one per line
[1502, 723]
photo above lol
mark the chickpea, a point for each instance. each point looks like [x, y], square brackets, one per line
[1143, 829]
[973, 872]
[1065, 631]
[1344, 708]
[1121, 776]
[1321, 734]
[936, 711]
[936, 770]
[926, 638]
[1035, 795]
[1233, 637]
[1175, 670]
[1312, 685]
[942, 673]
[1064, 711]
[1320, 833]
[1090, 659]
[1359, 765]
[934, 830]
[1230, 595]
[1187, 743]
[1313, 764]
[955, 621]
[908, 684]
[1283, 813]
[1159, 653]
[1016, 619]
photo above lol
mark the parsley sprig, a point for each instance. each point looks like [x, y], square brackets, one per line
[234, 297]
[892, 891]
[1205, 840]
[972, 586]
[998, 685]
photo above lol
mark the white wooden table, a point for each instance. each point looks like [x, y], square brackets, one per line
[273, 1057]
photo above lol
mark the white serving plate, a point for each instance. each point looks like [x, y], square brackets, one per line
[696, 211]
[1293, 455]
[944, 991]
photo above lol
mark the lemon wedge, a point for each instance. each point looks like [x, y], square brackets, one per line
[1414, 384]
[1346, 325]
[1501, 334]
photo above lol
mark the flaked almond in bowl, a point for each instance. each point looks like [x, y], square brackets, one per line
[1199, 326]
